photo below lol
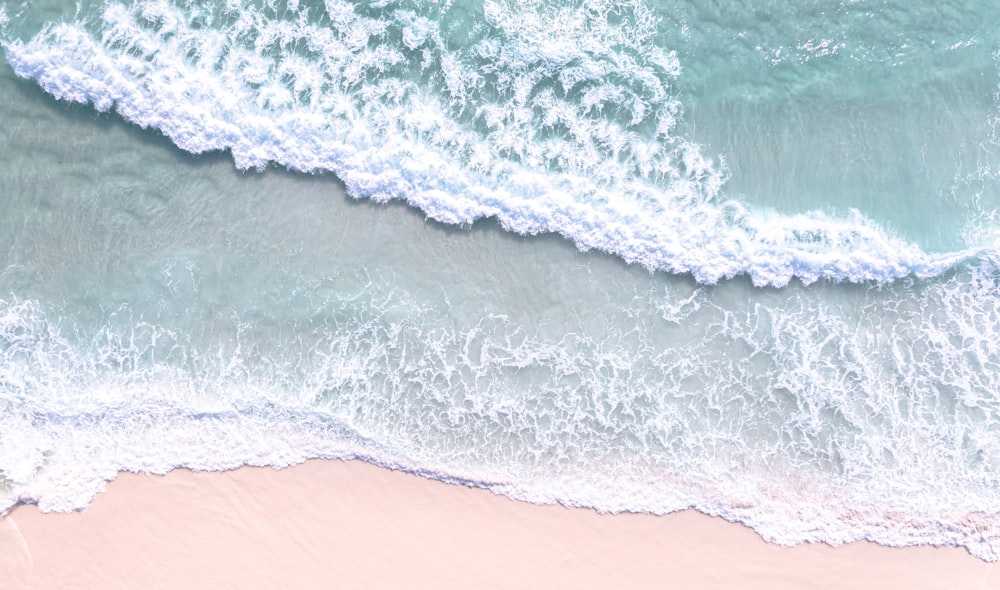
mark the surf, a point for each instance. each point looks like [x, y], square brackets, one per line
[549, 118]
[161, 310]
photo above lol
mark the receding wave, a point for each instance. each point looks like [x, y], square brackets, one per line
[875, 418]
[550, 117]
[304, 328]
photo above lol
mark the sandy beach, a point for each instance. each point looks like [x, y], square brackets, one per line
[334, 524]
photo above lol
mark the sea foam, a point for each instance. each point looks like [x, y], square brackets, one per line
[830, 413]
[872, 418]
[548, 118]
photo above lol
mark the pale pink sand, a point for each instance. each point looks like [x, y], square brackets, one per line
[333, 524]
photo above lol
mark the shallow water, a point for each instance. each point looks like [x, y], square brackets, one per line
[803, 341]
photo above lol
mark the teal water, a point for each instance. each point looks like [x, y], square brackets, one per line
[637, 257]
[884, 107]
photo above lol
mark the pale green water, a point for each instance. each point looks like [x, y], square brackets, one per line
[164, 309]
[881, 106]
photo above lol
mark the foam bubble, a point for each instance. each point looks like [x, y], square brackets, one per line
[832, 413]
[863, 414]
[547, 117]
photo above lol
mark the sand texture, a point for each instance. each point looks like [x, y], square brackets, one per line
[334, 524]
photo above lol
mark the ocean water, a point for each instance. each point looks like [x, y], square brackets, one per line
[635, 256]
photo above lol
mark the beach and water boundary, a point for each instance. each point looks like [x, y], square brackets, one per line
[162, 307]
[352, 525]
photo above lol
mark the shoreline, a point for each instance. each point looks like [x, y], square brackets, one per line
[331, 523]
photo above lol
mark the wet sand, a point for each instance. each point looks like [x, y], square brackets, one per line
[335, 524]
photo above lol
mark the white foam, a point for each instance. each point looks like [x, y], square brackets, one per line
[871, 416]
[552, 120]
[810, 419]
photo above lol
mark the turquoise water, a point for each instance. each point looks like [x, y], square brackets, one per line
[631, 256]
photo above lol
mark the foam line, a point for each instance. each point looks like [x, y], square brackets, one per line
[873, 419]
[548, 119]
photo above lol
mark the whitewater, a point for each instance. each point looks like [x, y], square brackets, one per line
[628, 256]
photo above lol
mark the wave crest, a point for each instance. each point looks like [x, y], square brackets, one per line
[550, 118]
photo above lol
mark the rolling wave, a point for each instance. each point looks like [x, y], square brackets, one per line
[548, 117]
